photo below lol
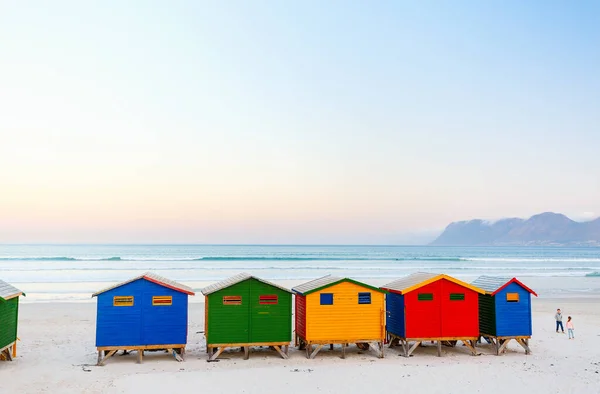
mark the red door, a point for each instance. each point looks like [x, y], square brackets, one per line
[423, 317]
[460, 312]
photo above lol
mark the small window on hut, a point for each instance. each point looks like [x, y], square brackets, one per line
[364, 298]
[268, 299]
[162, 300]
[425, 296]
[232, 300]
[512, 297]
[123, 301]
[326, 299]
[457, 296]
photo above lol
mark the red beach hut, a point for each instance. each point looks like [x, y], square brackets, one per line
[432, 307]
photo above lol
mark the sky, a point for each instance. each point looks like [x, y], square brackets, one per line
[293, 122]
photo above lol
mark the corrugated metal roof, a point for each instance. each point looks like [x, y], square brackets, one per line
[152, 277]
[316, 284]
[491, 283]
[409, 281]
[420, 279]
[237, 279]
[8, 291]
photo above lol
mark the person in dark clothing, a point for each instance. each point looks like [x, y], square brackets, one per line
[558, 318]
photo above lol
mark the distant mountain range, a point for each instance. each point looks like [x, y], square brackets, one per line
[551, 229]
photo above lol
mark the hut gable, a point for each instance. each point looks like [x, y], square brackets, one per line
[147, 310]
[237, 279]
[326, 282]
[417, 280]
[8, 291]
[152, 277]
[494, 284]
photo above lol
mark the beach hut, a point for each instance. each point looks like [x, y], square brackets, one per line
[148, 312]
[432, 307]
[332, 310]
[504, 311]
[9, 316]
[245, 311]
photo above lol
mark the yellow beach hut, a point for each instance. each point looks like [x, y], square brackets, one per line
[332, 310]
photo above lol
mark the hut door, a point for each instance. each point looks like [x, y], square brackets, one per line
[457, 319]
[228, 315]
[423, 317]
[268, 320]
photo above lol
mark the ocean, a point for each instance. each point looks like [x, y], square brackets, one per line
[74, 272]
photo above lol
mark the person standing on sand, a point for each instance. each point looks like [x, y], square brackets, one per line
[570, 328]
[558, 318]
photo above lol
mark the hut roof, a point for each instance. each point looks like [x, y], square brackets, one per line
[420, 279]
[493, 284]
[235, 280]
[8, 291]
[152, 277]
[326, 281]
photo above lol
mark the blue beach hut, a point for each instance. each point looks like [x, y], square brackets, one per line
[504, 311]
[147, 312]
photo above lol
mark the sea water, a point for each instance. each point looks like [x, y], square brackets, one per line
[74, 272]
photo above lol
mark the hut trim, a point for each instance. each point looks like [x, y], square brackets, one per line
[494, 284]
[420, 279]
[152, 277]
[328, 281]
[8, 291]
[235, 280]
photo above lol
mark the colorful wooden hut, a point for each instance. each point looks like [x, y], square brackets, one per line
[148, 312]
[432, 307]
[332, 310]
[245, 311]
[504, 311]
[9, 317]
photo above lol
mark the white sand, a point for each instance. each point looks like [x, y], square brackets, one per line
[57, 355]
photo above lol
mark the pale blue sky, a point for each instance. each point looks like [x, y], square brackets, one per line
[281, 122]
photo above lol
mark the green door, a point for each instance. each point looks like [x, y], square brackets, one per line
[229, 315]
[270, 313]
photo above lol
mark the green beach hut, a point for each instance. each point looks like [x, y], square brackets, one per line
[245, 311]
[9, 316]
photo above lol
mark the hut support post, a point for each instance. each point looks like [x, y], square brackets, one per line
[471, 346]
[317, 349]
[281, 353]
[344, 345]
[174, 353]
[246, 352]
[502, 348]
[439, 348]
[140, 356]
[106, 357]
[412, 349]
[6, 354]
[524, 342]
[216, 354]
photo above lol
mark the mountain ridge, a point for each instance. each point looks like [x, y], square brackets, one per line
[548, 228]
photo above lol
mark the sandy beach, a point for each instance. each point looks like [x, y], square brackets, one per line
[56, 354]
